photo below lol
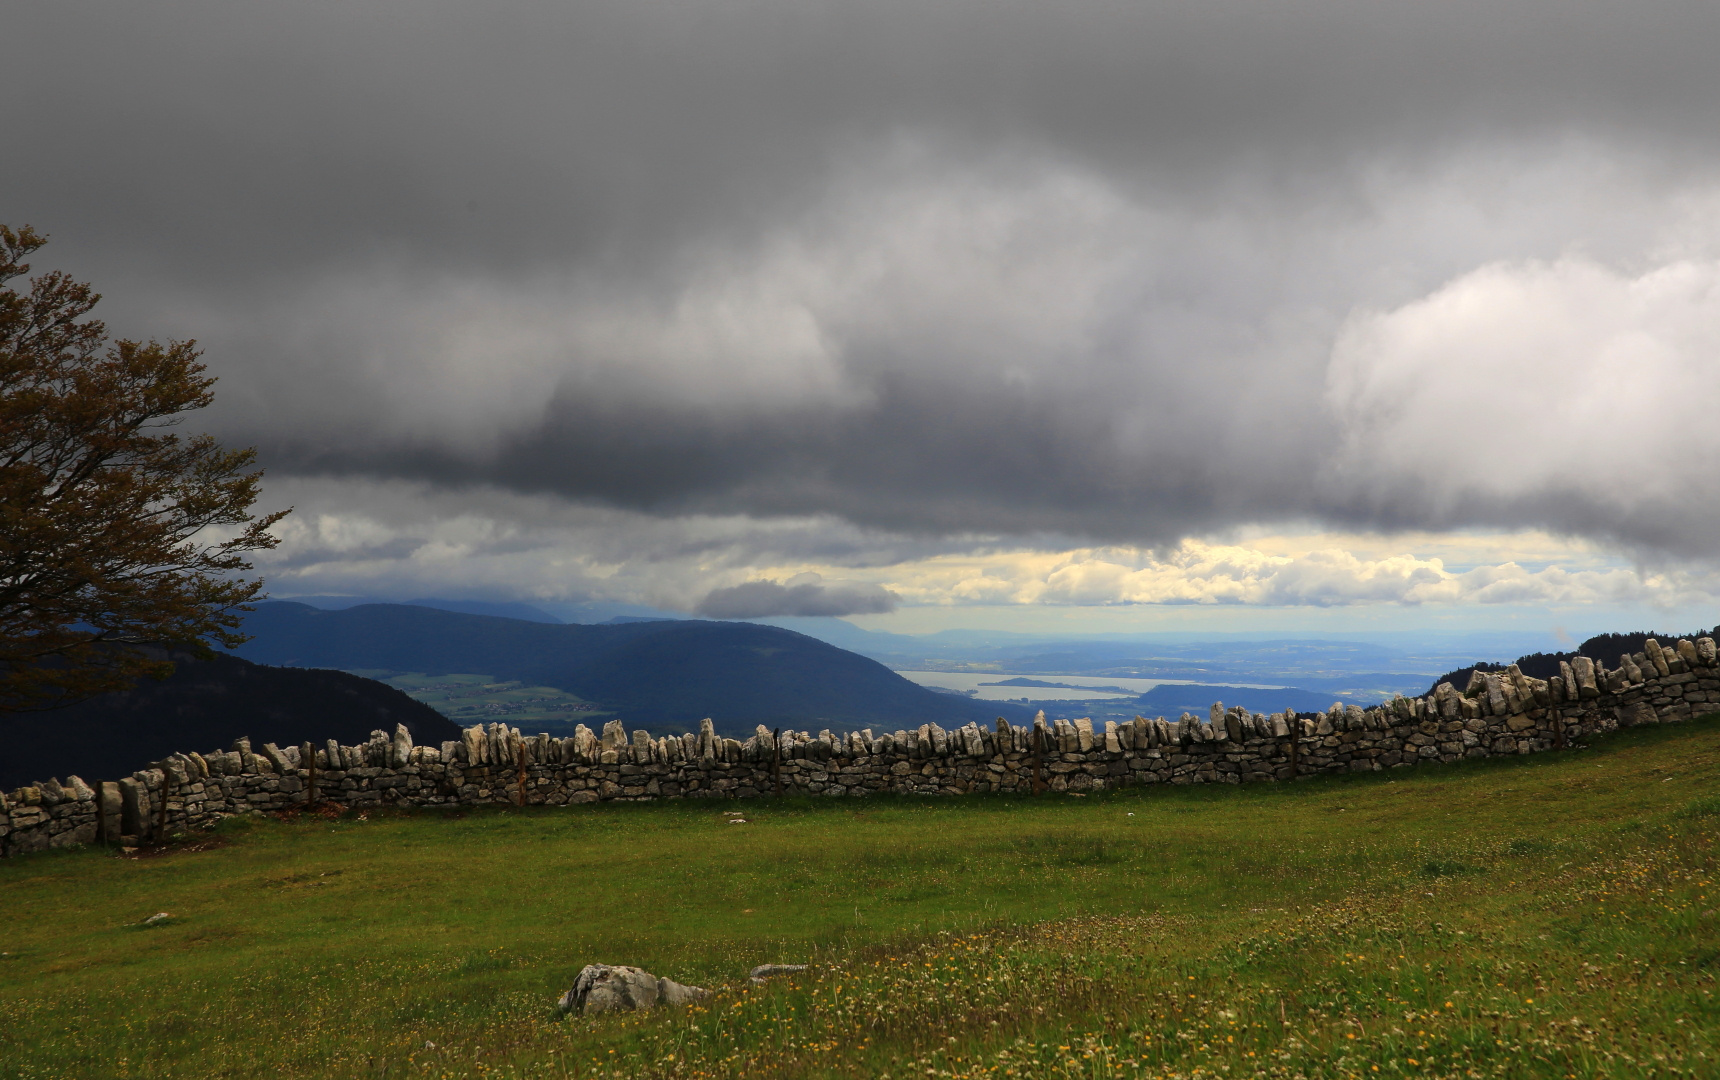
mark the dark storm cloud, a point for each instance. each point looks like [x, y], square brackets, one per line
[995, 267]
[772, 599]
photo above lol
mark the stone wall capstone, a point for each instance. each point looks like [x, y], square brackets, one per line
[1497, 713]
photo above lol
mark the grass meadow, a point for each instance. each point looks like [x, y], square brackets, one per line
[1548, 916]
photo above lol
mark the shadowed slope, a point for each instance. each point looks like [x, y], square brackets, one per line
[661, 675]
[205, 705]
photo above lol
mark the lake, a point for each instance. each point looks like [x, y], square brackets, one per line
[950, 680]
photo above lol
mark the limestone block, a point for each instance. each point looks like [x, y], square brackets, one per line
[1632, 673]
[271, 753]
[1706, 653]
[1652, 650]
[1446, 698]
[1687, 652]
[615, 735]
[1083, 734]
[134, 808]
[1493, 692]
[1584, 669]
[1634, 715]
[1065, 739]
[974, 738]
[112, 812]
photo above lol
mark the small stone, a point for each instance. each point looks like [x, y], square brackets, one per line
[157, 919]
[764, 971]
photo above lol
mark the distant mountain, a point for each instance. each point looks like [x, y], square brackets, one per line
[205, 705]
[485, 607]
[659, 675]
[845, 635]
[503, 610]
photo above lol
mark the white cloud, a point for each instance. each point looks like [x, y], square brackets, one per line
[1218, 574]
[1564, 391]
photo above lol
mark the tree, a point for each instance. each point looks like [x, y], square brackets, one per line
[115, 531]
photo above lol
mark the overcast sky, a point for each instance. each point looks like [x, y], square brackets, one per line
[960, 310]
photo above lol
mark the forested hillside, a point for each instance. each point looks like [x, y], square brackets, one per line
[205, 705]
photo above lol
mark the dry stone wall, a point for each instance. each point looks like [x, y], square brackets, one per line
[1497, 713]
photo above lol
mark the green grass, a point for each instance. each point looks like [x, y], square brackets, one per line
[1551, 916]
[478, 699]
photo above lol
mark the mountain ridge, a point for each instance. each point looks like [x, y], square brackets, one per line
[661, 675]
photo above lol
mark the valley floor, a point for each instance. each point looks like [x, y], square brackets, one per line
[1549, 916]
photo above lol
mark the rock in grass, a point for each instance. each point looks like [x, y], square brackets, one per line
[157, 919]
[601, 988]
[765, 971]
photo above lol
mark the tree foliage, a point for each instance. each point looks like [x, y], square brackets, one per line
[115, 531]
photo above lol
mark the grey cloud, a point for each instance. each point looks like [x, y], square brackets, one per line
[995, 269]
[772, 599]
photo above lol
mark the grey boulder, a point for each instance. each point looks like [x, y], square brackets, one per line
[601, 988]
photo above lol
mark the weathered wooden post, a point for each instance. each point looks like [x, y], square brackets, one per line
[522, 778]
[1295, 726]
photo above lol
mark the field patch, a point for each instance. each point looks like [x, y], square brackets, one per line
[469, 699]
[1547, 916]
